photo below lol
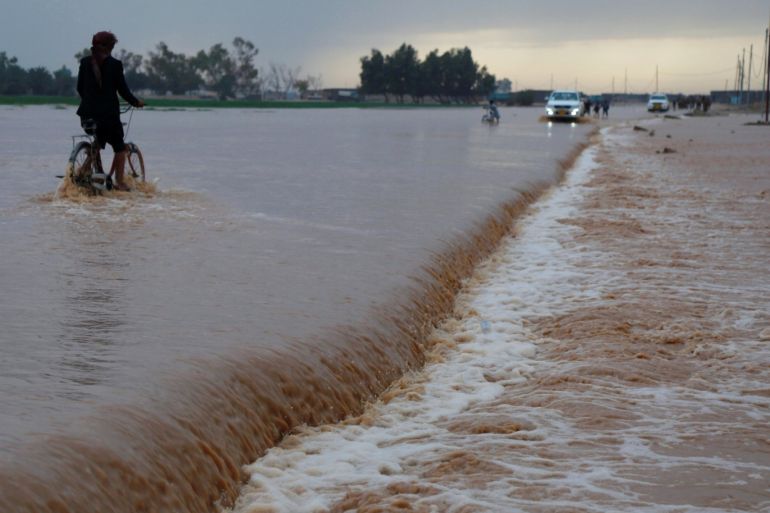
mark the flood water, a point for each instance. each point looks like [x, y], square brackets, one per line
[611, 357]
[138, 326]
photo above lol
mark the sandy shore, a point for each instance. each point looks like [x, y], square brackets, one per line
[613, 356]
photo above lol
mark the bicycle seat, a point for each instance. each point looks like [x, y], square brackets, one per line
[89, 126]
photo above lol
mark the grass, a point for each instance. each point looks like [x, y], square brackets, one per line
[39, 100]
[168, 103]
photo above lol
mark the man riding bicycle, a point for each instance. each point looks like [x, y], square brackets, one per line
[493, 112]
[100, 79]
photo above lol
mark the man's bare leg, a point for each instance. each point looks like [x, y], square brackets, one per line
[118, 165]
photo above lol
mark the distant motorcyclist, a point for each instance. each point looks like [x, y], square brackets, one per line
[494, 114]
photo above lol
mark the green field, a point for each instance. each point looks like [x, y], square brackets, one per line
[167, 103]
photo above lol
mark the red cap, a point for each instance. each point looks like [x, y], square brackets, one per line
[104, 39]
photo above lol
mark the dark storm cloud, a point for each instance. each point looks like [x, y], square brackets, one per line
[555, 20]
[49, 32]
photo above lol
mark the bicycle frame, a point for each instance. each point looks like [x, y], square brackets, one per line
[86, 152]
[91, 173]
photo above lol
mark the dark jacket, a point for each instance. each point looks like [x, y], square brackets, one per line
[101, 102]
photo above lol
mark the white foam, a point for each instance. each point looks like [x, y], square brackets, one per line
[326, 462]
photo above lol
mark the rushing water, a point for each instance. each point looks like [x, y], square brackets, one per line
[280, 274]
[612, 357]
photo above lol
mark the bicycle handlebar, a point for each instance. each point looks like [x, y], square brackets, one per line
[125, 107]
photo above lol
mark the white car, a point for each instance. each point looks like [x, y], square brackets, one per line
[658, 103]
[564, 104]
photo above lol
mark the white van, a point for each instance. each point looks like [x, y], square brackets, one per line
[657, 102]
[564, 104]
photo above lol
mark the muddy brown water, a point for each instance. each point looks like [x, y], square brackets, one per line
[287, 267]
[612, 356]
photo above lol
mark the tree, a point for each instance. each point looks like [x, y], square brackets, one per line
[485, 83]
[132, 67]
[449, 77]
[433, 77]
[218, 70]
[280, 78]
[503, 85]
[246, 75]
[169, 71]
[373, 74]
[39, 81]
[85, 52]
[402, 72]
[63, 82]
[307, 84]
[465, 74]
[303, 87]
[314, 82]
[13, 78]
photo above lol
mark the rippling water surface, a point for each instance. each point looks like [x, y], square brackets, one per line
[268, 229]
[613, 356]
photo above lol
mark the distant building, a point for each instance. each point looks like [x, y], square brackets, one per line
[540, 95]
[625, 98]
[314, 95]
[503, 86]
[733, 97]
[523, 97]
[273, 95]
[340, 95]
[501, 96]
[203, 94]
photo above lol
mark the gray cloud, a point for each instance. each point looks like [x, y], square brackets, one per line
[49, 32]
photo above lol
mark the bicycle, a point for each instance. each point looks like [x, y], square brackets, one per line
[489, 116]
[85, 160]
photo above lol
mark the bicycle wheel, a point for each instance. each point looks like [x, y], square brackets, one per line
[81, 162]
[136, 162]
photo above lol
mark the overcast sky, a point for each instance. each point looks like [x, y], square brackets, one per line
[594, 43]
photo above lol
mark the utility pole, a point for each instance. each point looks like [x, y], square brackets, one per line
[625, 83]
[764, 60]
[743, 75]
[767, 77]
[751, 58]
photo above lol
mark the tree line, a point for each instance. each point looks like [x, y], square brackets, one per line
[449, 77]
[227, 72]
[15, 80]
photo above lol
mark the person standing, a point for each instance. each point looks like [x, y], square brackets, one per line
[605, 108]
[100, 80]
